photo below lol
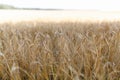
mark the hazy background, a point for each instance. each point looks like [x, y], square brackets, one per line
[59, 10]
[107, 5]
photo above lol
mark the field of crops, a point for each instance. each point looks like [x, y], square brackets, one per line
[57, 15]
[65, 50]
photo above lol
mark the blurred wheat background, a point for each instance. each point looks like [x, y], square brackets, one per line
[60, 51]
[58, 15]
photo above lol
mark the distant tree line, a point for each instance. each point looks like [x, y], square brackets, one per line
[4, 6]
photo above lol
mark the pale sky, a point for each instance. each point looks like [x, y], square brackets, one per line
[66, 4]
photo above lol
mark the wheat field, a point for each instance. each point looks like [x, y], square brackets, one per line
[35, 50]
[58, 15]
